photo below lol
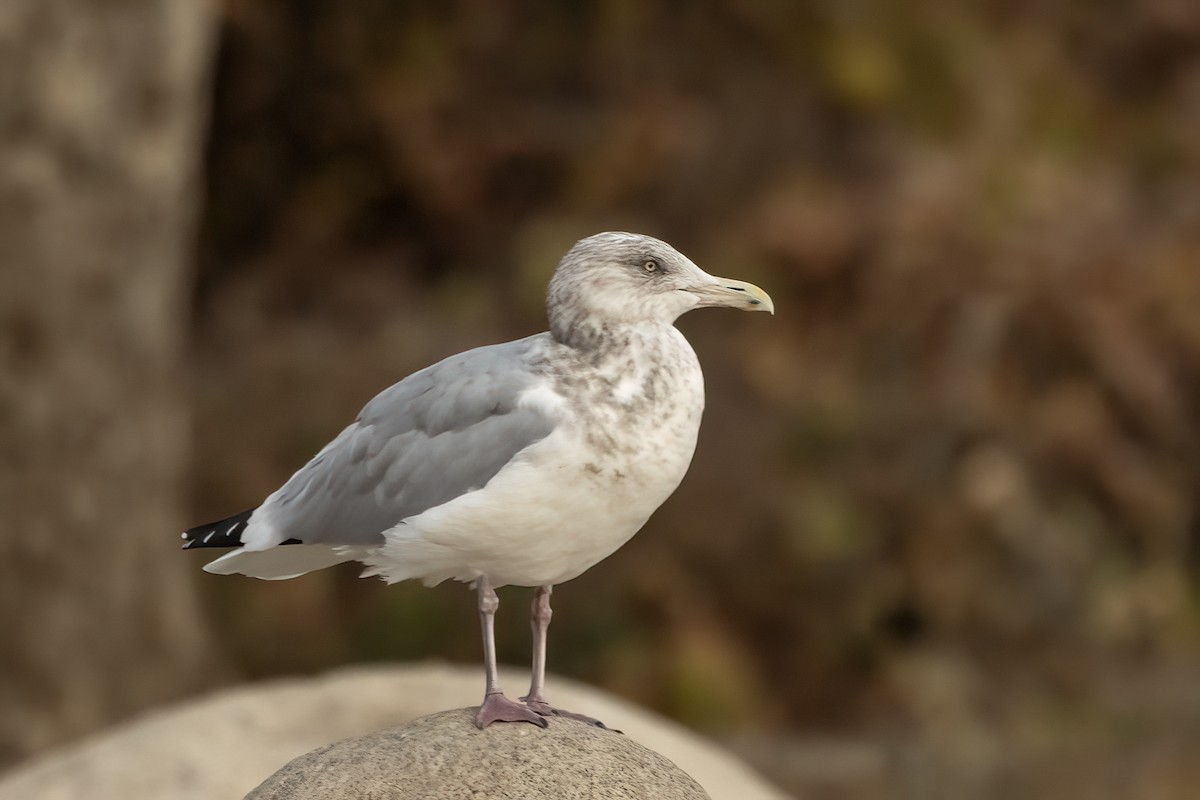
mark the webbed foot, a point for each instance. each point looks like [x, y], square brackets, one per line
[546, 710]
[498, 708]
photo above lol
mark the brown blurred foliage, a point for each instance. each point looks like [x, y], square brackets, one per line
[945, 501]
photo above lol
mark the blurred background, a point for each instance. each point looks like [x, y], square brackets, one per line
[941, 535]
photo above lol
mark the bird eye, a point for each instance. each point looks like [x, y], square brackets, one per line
[650, 267]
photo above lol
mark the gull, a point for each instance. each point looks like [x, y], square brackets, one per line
[523, 463]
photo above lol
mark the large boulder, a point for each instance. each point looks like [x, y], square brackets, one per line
[445, 757]
[222, 746]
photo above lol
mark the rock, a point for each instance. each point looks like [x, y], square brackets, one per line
[445, 757]
[224, 745]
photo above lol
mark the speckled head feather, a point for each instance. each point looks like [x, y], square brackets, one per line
[619, 278]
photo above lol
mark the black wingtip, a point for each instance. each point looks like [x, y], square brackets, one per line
[222, 533]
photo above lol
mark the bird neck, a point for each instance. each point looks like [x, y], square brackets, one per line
[598, 341]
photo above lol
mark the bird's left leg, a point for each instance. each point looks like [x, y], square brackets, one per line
[539, 617]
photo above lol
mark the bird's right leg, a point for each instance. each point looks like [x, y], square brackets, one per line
[540, 614]
[496, 707]
[539, 617]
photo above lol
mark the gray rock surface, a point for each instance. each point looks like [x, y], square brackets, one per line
[445, 757]
[221, 746]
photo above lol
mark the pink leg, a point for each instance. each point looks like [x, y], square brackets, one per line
[496, 707]
[540, 614]
[539, 617]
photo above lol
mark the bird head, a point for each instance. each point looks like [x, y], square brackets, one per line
[618, 278]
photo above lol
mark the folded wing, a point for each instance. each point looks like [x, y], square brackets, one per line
[430, 438]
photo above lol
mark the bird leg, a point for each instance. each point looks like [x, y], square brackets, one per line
[539, 617]
[496, 707]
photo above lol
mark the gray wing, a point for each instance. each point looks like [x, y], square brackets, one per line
[435, 435]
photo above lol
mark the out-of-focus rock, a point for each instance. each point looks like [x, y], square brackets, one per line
[224, 745]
